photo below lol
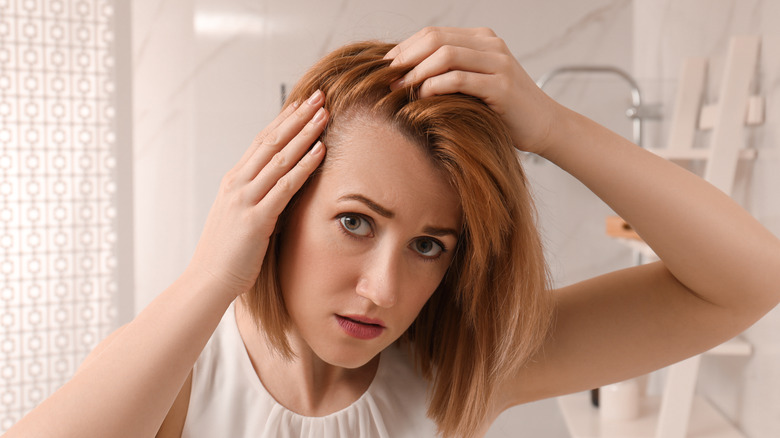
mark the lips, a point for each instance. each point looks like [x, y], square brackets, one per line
[360, 327]
[364, 320]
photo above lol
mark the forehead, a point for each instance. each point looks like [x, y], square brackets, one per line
[368, 156]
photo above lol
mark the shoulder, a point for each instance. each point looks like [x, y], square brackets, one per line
[173, 425]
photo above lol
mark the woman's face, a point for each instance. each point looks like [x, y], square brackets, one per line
[367, 244]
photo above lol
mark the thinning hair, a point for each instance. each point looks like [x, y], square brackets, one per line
[492, 310]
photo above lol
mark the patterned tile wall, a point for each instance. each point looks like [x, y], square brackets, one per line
[57, 193]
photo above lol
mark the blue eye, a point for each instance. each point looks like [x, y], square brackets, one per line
[428, 247]
[355, 225]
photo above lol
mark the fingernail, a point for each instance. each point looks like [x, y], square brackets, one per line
[315, 98]
[397, 84]
[296, 104]
[318, 116]
[317, 148]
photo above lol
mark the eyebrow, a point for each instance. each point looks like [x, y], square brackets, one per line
[370, 204]
[439, 232]
[382, 211]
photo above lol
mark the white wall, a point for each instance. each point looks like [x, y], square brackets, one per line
[207, 77]
[665, 33]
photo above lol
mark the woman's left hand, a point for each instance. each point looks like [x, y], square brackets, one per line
[476, 62]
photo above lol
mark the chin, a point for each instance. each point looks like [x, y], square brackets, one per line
[350, 358]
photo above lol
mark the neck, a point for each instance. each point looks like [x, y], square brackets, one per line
[305, 384]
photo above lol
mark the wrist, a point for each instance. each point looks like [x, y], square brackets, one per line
[196, 276]
[564, 131]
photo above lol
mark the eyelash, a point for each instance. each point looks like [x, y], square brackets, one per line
[347, 232]
[437, 256]
[371, 224]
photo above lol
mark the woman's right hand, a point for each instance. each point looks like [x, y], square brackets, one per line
[253, 194]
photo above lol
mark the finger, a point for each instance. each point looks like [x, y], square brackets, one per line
[284, 160]
[459, 81]
[422, 33]
[280, 136]
[426, 41]
[261, 135]
[448, 58]
[285, 187]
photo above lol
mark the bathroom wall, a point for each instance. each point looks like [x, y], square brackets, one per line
[208, 76]
[207, 79]
[747, 390]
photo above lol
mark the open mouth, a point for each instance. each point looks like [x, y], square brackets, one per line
[360, 328]
[356, 321]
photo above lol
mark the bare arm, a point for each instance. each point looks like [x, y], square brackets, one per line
[173, 425]
[718, 273]
[127, 387]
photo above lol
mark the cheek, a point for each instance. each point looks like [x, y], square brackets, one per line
[426, 284]
[300, 260]
[417, 294]
[312, 263]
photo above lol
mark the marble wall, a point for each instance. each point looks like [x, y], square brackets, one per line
[208, 76]
[665, 33]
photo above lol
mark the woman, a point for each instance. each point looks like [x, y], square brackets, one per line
[417, 219]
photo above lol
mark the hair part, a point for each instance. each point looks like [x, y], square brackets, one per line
[493, 310]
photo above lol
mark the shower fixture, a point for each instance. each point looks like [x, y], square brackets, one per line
[637, 113]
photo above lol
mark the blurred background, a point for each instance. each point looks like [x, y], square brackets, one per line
[118, 120]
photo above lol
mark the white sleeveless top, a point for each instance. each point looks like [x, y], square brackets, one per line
[229, 400]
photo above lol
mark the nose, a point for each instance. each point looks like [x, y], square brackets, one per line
[380, 279]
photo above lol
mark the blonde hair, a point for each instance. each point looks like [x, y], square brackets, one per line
[492, 310]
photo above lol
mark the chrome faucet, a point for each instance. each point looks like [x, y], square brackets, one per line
[636, 113]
